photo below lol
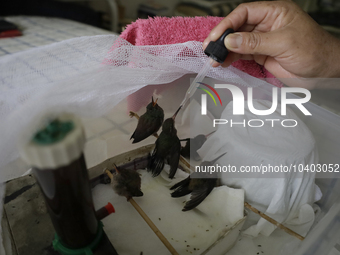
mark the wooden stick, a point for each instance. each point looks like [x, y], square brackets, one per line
[109, 174]
[271, 220]
[149, 221]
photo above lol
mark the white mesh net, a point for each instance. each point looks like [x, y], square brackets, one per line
[87, 76]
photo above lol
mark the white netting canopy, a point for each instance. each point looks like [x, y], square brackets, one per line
[87, 76]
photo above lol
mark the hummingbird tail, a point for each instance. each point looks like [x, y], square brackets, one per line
[191, 204]
[196, 198]
[137, 138]
[156, 165]
[182, 188]
[200, 193]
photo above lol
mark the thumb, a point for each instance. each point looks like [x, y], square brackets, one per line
[252, 43]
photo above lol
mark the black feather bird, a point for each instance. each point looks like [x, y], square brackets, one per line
[167, 147]
[126, 182]
[149, 123]
[199, 187]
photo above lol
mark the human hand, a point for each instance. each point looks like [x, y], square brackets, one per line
[283, 38]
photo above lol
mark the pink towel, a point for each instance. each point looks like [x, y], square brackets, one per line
[164, 30]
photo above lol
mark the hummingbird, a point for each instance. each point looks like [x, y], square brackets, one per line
[192, 145]
[149, 123]
[200, 186]
[126, 182]
[167, 147]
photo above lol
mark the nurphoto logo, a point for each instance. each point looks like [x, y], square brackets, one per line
[238, 104]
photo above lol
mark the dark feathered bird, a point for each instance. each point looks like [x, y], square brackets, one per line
[127, 183]
[149, 123]
[167, 148]
[199, 187]
[192, 145]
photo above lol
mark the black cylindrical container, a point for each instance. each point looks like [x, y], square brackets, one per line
[56, 155]
[69, 202]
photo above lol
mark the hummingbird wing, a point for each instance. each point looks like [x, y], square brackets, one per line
[182, 188]
[199, 194]
[156, 163]
[174, 154]
[147, 125]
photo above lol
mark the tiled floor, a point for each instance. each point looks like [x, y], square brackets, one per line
[115, 123]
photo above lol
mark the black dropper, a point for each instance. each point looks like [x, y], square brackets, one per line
[217, 50]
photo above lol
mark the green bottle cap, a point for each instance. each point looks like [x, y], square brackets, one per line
[58, 144]
[54, 132]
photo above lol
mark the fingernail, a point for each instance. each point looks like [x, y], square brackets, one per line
[233, 41]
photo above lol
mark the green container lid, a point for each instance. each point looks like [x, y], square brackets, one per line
[56, 145]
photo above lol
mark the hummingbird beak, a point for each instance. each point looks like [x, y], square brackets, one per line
[173, 117]
[116, 168]
[206, 136]
[154, 103]
[214, 160]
